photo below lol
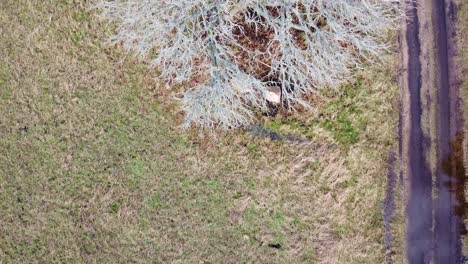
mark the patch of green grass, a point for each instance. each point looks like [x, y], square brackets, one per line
[250, 222]
[115, 207]
[250, 183]
[278, 220]
[136, 171]
[5, 90]
[341, 116]
[77, 37]
[252, 148]
[4, 74]
[343, 230]
[343, 130]
[154, 201]
[213, 185]
[82, 16]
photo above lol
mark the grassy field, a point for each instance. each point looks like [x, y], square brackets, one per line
[94, 167]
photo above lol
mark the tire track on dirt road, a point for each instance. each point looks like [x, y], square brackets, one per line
[432, 134]
[419, 208]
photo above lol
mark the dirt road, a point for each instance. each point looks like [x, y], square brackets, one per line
[432, 133]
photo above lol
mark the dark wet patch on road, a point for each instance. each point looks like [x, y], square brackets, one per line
[454, 168]
[450, 205]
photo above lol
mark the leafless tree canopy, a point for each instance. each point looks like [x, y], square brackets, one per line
[232, 51]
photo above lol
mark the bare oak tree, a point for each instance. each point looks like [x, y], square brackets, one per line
[234, 51]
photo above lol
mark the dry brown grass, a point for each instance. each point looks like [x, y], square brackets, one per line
[463, 48]
[93, 167]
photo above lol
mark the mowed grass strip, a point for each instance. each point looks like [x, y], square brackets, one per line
[95, 169]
